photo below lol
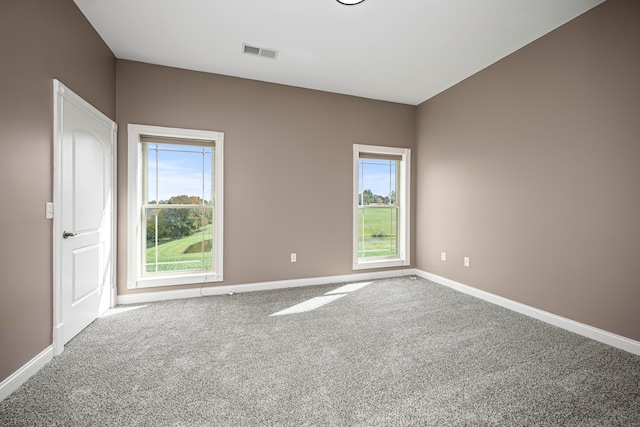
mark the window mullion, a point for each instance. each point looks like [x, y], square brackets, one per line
[155, 243]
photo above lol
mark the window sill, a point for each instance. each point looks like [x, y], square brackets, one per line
[380, 263]
[174, 279]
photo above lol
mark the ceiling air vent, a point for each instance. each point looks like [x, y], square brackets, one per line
[259, 51]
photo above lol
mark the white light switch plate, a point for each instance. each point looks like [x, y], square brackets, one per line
[48, 210]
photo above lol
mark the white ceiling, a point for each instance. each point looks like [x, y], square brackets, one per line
[395, 50]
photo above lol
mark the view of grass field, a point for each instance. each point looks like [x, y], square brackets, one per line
[376, 238]
[181, 254]
[377, 231]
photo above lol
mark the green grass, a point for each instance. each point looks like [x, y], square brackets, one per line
[377, 230]
[376, 238]
[173, 253]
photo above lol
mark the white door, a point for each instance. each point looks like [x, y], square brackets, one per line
[84, 149]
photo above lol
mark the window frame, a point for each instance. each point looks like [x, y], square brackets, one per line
[135, 271]
[403, 202]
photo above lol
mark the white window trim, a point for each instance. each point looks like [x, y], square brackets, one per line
[404, 234]
[135, 279]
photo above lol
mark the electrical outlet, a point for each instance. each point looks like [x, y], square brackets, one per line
[294, 257]
[443, 256]
[466, 261]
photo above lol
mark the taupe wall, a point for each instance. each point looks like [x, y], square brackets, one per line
[532, 169]
[529, 167]
[39, 41]
[288, 163]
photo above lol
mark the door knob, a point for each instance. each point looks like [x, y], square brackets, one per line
[66, 235]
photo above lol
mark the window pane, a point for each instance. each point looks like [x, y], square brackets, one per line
[377, 182]
[377, 222]
[178, 170]
[377, 232]
[178, 239]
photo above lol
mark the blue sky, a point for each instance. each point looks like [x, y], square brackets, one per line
[181, 171]
[379, 176]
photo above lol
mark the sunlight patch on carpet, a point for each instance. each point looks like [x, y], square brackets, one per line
[309, 305]
[316, 302]
[120, 310]
[348, 288]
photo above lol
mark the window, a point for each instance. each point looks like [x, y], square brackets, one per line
[175, 206]
[381, 178]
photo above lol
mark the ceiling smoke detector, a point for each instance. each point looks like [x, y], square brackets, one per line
[259, 51]
[350, 2]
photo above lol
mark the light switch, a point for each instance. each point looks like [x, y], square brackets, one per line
[48, 210]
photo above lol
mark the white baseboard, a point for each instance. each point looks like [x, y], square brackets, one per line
[605, 337]
[260, 286]
[21, 376]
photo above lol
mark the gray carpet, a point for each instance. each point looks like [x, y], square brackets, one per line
[397, 352]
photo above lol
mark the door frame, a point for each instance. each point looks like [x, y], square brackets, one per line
[60, 94]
